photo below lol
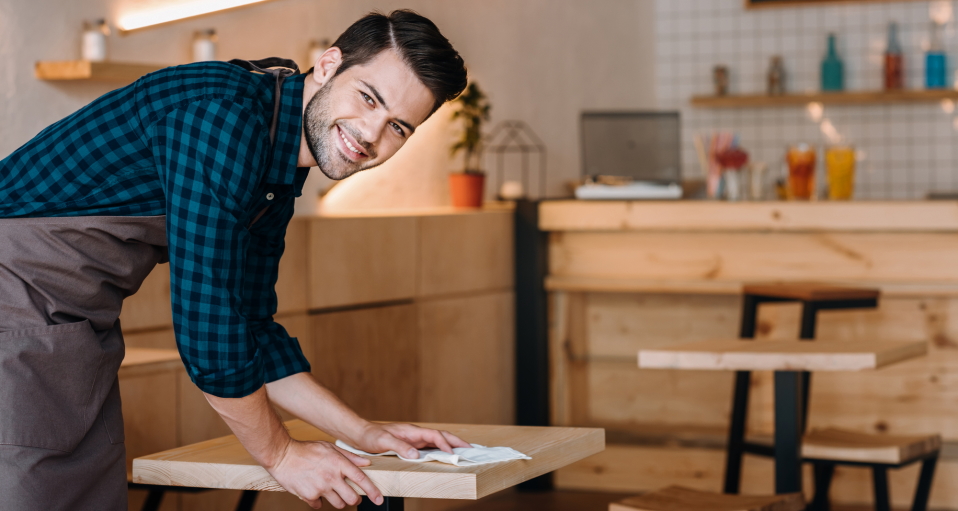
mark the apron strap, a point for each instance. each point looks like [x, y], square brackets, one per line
[281, 69]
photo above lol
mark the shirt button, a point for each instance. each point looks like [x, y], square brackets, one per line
[269, 196]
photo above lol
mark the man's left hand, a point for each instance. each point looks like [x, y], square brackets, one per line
[406, 439]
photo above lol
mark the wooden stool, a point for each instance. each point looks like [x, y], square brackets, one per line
[813, 297]
[676, 498]
[830, 447]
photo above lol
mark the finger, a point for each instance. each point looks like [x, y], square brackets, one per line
[403, 448]
[359, 478]
[454, 440]
[346, 492]
[436, 438]
[357, 460]
[334, 499]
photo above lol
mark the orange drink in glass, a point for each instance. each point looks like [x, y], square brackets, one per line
[801, 171]
[840, 171]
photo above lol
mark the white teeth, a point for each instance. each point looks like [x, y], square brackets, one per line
[350, 146]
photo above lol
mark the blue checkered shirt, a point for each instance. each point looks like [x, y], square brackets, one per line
[192, 143]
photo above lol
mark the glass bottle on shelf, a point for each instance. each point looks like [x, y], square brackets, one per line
[776, 77]
[935, 63]
[833, 72]
[894, 63]
[204, 45]
[93, 47]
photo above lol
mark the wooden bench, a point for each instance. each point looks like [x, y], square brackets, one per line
[677, 498]
[830, 447]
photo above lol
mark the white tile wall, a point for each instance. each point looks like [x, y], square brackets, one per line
[909, 148]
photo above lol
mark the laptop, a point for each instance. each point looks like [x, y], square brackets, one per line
[630, 155]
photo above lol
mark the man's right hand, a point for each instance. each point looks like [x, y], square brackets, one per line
[311, 470]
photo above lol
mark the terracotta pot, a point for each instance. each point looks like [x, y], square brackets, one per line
[466, 190]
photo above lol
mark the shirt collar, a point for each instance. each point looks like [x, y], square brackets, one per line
[289, 129]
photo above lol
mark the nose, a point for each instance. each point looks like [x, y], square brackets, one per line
[374, 129]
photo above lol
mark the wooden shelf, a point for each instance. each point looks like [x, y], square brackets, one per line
[86, 70]
[828, 98]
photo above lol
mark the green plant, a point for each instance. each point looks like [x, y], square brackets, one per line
[473, 111]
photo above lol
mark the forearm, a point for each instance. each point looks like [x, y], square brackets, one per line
[256, 425]
[301, 395]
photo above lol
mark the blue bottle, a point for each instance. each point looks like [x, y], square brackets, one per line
[936, 65]
[833, 71]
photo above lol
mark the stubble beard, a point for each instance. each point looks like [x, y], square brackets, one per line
[317, 124]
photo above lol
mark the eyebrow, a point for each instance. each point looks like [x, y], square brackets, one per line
[383, 103]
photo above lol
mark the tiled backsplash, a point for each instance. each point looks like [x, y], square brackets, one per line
[907, 149]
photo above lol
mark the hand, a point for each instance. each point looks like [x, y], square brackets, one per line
[406, 439]
[311, 470]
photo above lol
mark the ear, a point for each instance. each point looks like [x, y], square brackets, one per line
[326, 65]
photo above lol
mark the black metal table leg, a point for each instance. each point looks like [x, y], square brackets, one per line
[736, 435]
[153, 500]
[788, 432]
[389, 504]
[247, 500]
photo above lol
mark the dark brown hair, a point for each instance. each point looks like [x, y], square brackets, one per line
[418, 42]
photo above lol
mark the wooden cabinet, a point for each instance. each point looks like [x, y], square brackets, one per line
[361, 260]
[370, 358]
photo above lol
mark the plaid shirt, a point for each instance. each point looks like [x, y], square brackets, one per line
[192, 143]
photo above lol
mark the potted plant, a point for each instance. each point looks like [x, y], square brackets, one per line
[466, 187]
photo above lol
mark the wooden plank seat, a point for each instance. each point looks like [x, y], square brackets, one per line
[809, 291]
[834, 444]
[677, 498]
[827, 448]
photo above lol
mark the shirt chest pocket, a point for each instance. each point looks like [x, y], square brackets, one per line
[266, 197]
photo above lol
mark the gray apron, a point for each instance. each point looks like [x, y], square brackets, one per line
[62, 282]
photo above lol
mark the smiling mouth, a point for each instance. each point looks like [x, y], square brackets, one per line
[351, 150]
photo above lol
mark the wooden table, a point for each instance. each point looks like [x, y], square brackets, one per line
[224, 463]
[788, 359]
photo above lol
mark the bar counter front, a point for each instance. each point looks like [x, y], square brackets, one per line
[628, 275]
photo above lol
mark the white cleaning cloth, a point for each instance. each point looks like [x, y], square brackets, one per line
[461, 456]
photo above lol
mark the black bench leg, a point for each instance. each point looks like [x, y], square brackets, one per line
[880, 478]
[247, 500]
[736, 432]
[823, 483]
[924, 484]
[153, 500]
[389, 504]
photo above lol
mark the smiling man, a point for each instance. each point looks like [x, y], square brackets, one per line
[198, 165]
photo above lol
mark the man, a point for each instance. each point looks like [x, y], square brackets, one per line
[198, 165]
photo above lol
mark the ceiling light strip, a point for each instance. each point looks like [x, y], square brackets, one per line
[178, 11]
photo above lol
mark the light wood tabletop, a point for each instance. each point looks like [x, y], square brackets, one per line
[749, 355]
[224, 463]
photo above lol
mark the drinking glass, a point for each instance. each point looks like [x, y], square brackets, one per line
[840, 171]
[801, 171]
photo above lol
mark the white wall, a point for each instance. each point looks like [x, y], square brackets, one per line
[541, 61]
[908, 149]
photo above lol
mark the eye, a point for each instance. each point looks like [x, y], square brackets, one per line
[367, 98]
[399, 131]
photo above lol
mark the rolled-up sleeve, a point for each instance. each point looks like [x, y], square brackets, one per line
[209, 154]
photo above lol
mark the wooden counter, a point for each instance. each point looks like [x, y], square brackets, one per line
[624, 276]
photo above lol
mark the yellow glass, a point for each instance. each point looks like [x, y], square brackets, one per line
[840, 172]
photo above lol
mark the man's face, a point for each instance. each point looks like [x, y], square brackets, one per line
[361, 117]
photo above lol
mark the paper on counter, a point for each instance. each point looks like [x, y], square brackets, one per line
[460, 457]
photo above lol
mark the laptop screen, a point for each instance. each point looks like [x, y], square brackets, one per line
[643, 146]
